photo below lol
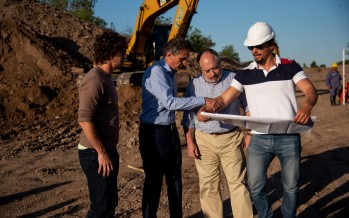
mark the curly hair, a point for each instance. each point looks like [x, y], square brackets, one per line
[107, 45]
[176, 44]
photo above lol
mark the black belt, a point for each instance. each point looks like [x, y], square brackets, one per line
[157, 126]
[222, 133]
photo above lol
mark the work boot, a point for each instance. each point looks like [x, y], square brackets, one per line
[331, 99]
[334, 100]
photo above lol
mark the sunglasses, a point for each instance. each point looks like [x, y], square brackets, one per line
[259, 47]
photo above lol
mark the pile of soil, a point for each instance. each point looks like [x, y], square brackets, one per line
[43, 53]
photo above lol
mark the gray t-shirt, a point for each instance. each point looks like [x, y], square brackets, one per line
[98, 103]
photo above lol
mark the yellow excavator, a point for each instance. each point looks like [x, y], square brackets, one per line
[147, 40]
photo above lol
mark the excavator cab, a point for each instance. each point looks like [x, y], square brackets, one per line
[156, 40]
[160, 35]
[148, 39]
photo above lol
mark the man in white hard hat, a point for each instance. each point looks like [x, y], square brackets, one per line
[269, 83]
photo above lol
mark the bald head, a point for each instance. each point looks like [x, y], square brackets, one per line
[210, 65]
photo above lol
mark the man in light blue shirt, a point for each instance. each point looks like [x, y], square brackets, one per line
[158, 136]
[214, 144]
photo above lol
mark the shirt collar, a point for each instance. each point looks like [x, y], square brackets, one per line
[254, 64]
[165, 65]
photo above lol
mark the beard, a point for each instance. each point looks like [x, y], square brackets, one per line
[259, 60]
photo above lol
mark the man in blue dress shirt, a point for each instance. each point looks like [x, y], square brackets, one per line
[158, 136]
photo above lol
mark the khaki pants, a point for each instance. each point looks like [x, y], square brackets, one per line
[222, 150]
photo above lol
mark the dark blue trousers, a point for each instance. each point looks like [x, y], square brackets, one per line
[161, 153]
[102, 190]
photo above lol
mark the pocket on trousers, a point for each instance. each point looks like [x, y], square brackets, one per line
[88, 160]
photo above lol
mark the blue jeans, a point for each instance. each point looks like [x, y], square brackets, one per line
[261, 151]
[102, 190]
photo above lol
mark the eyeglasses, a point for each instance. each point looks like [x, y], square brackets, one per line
[259, 47]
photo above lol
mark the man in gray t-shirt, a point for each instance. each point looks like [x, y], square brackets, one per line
[98, 117]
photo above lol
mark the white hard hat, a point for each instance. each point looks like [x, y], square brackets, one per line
[258, 34]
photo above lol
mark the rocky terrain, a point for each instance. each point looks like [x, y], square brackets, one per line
[43, 53]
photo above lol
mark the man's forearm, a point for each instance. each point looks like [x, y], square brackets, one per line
[192, 148]
[189, 134]
[311, 97]
[225, 99]
[92, 136]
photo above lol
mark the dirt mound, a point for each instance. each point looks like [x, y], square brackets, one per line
[43, 54]
[41, 48]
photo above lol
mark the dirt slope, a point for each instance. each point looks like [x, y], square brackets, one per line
[42, 54]
[39, 48]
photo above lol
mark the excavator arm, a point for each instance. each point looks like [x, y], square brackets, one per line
[184, 13]
[148, 12]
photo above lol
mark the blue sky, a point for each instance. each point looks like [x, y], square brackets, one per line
[306, 30]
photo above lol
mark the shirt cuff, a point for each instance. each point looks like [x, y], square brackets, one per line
[201, 101]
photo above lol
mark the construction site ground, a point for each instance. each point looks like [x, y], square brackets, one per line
[43, 54]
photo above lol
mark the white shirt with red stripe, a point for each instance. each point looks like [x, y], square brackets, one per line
[270, 94]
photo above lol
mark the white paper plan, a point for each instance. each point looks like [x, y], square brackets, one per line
[269, 125]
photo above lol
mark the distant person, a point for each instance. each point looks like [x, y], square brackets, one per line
[333, 79]
[270, 85]
[214, 144]
[98, 117]
[160, 146]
